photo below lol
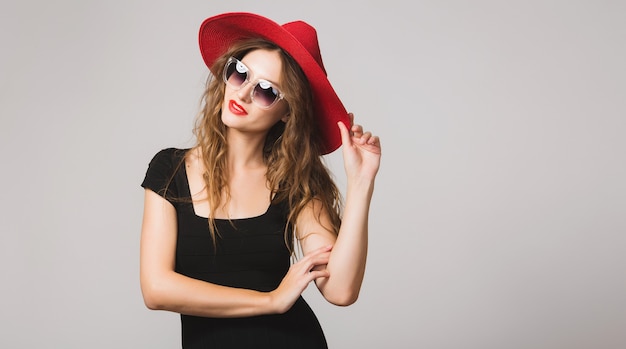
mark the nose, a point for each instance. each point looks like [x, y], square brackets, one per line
[244, 93]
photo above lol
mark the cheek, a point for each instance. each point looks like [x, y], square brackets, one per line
[282, 108]
[282, 113]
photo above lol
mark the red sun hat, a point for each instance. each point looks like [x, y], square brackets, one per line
[299, 40]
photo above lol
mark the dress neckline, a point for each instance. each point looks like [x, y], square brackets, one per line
[183, 165]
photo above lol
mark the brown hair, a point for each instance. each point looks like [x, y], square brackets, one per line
[295, 171]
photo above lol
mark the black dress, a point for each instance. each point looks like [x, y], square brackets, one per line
[250, 253]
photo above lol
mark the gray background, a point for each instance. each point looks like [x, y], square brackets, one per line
[499, 217]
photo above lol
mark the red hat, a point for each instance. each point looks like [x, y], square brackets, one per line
[299, 39]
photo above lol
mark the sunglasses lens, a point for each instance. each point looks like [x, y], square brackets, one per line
[236, 73]
[265, 94]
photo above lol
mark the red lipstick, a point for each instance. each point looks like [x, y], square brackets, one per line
[236, 108]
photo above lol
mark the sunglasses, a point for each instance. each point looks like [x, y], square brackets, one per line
[263, 93]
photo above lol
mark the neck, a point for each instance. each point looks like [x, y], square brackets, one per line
[245, 150]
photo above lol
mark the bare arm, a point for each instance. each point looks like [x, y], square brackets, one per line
[346, 265]
[165, 289]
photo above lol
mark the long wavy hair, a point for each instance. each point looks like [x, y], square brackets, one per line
[295, 170]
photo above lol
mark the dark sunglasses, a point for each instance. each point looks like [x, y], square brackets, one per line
[263, 93]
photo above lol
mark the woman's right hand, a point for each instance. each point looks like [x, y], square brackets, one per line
[300, 274]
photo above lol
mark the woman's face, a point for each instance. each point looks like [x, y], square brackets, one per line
[239, 110]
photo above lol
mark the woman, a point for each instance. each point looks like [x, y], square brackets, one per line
[220, 218]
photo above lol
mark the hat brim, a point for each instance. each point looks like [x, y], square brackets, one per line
[218, 33]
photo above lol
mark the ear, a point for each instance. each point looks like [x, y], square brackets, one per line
[285, 118]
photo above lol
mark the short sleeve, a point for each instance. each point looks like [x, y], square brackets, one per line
[161, 172]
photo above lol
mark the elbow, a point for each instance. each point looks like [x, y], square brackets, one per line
[343, 299]
[152, 297]
[152, 303]
[347, 301]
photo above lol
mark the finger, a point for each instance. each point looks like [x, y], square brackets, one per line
[318, 274]
[351, 117]
[365, 137]
[317, 261]
[345, 134]
[357, 130]
[319, 256]
[374, 140]
[314, 258]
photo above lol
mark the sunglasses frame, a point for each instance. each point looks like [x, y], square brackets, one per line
[254, 83]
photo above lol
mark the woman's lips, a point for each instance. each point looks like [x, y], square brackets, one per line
[236, 108]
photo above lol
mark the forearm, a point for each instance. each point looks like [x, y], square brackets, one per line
[172, 291]
[348, 256]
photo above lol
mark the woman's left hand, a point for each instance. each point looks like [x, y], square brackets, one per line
[361, 151]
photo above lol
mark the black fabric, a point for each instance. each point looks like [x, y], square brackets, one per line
[250, 253]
